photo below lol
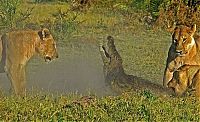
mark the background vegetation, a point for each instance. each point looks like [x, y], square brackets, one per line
[143, 46]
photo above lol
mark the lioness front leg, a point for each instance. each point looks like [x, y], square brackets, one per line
[16, 74]
[171, 68]
[168, 75]
[179, 83]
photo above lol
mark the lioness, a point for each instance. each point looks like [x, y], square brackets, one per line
[186, 77]
[115, 75]
[17, 47]
[184, 50]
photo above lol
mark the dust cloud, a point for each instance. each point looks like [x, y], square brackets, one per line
[70, 73]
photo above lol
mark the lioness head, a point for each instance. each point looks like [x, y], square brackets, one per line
[47, 45]
[182, 39]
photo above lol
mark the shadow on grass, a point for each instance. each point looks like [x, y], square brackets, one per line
[116, 77]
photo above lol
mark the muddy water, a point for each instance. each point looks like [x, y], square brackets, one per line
[77, 70]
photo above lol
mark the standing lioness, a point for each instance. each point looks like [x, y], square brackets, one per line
[17, 47]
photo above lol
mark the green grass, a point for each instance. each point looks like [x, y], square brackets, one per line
[126, 107]
[144, 52]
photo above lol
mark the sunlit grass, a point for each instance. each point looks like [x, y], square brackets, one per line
[143, 106]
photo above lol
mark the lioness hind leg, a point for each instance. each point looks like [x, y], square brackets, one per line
[196, 85]
[16, 74]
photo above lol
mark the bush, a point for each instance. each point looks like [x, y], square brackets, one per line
[10, 14]
[179, 12]
[8, 10]
[151, 6]
[64, 23]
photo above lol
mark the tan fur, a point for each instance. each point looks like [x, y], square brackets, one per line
[186, 77]
[184, 50]
[17, 47]
[115, 75]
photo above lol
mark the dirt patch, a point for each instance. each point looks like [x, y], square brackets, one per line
[76, 71]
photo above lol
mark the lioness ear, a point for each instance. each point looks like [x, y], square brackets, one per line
[44, 33]
[172, 28]
[194, 28]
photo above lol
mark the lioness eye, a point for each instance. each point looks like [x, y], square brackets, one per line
[184, 39]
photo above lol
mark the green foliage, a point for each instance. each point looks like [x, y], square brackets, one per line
[151, 6]
[148, 95]
[65, 23]
[10, 14]
[144, 113]
[8, 10]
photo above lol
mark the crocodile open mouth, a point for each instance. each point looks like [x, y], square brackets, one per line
[106, 53]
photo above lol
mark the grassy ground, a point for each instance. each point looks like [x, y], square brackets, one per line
[127, 107]
[144, 52]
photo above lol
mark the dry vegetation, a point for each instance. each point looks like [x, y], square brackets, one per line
[179, 12]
